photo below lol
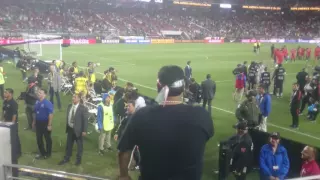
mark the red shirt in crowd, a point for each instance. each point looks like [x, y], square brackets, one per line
[309, 169]
[317, 52]
[308, 52]
[280, 57]
[293, 53]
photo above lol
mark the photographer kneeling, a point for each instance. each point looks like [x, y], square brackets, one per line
[248, 111]
[242, 151]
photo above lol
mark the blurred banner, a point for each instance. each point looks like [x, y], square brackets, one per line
[191, 3]
[112, 41]
[262, 7]
[305, 8]
[188, 41]
[131, 37]
[162, 41]
[135, 41]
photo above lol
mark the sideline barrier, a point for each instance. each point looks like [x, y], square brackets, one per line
[259, 139]
[188, 41]
[162, 41]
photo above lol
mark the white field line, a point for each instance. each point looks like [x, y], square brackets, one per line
[230, 112]
[92, 55]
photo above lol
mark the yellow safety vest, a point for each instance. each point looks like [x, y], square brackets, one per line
[255, 44]
[1, 78]
[81, 85]
[75, 70]
[108, 123]
[91, 77]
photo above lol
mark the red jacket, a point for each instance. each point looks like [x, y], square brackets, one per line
[317, 52]
[309, 169]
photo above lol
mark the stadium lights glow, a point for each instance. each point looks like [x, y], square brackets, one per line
[225, 6]
[191, 3]
[305, 8]
[262, 7]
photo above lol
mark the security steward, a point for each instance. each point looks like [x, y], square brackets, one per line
[248, 111]
[242, 152]
[278, 77]
[10, 114]
[266, 79]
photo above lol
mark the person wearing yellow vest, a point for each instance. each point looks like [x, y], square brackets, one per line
[2, 81]
[105, 121]
[80, 84]
[255, 47]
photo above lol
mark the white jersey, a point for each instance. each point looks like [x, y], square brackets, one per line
[260, 71]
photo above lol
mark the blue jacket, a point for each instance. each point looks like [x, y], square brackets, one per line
[270, 161]
[264, 102]
[100, 112]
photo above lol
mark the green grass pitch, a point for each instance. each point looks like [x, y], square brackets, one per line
[140, 64]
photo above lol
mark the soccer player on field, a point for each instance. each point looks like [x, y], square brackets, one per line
[240, 86]
[280, 56]
[285, 53]
[299, 52]
[308, 55]
[293, 54]
[303, 51]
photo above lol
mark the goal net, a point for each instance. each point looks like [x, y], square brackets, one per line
[43, 45]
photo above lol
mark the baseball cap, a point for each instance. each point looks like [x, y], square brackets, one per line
[275, 135]
[241, 126]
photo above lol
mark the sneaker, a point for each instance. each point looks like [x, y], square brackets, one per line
[137, 168]
[101, 152]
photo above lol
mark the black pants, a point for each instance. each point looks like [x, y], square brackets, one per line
[295, 116]
[42, 131]
[252, 83]
[204, 104]
[29, 114]
[279, 87]
[313, 115]
[136, 156]
[241, 177]
[71, 138]
[305, 101]
[2, 90]
[52, 94]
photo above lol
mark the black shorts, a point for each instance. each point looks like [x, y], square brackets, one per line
[279, 83]
[252, 80]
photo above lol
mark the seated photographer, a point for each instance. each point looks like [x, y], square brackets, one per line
[313, 111]
[248, 111]
[195, 90]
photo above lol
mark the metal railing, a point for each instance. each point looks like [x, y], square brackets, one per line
[40, 173]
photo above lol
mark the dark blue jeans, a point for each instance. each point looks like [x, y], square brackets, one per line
[52, 93]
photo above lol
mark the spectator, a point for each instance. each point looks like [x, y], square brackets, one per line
[309, 166]
[54, 82]
[274, 161]
[166, 154]
[208, 88]
[264, 100]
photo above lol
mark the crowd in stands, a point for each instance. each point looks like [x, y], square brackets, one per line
[144, 22]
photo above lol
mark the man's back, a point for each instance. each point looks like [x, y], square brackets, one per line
[208, 89]
[171, 141]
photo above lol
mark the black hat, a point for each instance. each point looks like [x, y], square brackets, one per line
[275, 135]
[31, 79]
[241, 126]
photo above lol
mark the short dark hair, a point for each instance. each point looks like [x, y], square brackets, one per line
[208, 76]
[188, 62]
[131, 102]
[192, 80]
[130, 84]
[132, 95]
[170, 74]
[10, 90]
[44, 90]
[262, 86]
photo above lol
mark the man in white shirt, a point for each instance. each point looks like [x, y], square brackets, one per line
[76, 129]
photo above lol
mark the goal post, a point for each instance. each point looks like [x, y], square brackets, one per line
[43, 45]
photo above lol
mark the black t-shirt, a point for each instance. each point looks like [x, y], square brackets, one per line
[9, 108]
[171, 141]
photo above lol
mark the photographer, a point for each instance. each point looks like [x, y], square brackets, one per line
[248, 111]
[242, 151]
[30, 100]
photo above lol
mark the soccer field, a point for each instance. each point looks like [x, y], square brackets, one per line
[139, 64]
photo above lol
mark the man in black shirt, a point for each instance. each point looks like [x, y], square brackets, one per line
[302, 79]
[30, 100]
[171, 136]
[242, 148]
[252, 75]
[266, 79]
[278, 77]
[295, 105]
[10, 114]
[272, 50]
